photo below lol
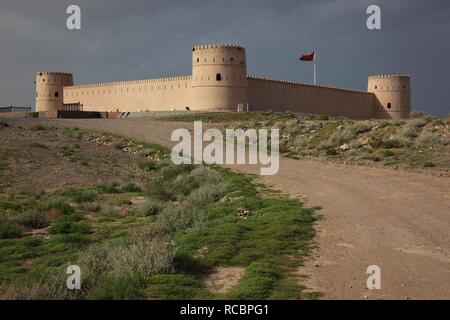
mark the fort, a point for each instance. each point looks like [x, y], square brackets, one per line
[219, 81]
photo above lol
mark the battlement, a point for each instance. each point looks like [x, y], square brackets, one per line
[53, 73]
[217, 46]
[388, 76]
[132, 82]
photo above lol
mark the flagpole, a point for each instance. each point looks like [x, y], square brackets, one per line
[315, 58]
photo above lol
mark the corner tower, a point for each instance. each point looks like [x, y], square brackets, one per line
[49, 90]
[393, 95]
[219, 77]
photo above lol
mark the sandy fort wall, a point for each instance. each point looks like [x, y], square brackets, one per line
[277, 95]
[132, 96]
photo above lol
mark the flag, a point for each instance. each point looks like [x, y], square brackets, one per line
[307, 56]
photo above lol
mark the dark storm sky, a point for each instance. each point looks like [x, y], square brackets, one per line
[137, 39]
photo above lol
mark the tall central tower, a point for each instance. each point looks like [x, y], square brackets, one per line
[219, 77]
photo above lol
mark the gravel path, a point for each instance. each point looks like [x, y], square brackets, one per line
[397, 220]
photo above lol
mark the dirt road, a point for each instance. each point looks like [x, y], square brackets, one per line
[397, 220]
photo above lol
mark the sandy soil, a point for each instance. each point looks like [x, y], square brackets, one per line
[47, 160]
[397, 220]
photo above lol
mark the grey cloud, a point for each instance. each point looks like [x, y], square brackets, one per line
[138, 39]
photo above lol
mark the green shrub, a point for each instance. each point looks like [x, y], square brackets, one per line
[110, 188]
[95, 206]
[95, 261]
[108, 212]
[120, 288]
[171, 171]
[9, 230]
[71, 223]
[160, 190]
[360, 127]
[51, 286]
[256, 284]
[8, 205]
[60, 205]
[185, 183]
[34, 218]
[413, 127]
[395, 141]
[129, 187]
[145, 256]
[70, 227]
[179, 217]
[428, 139]
[337, 138]
[175, 287]
[151, 208]
[208, 193]
[147, 166]
[86, 196]
[38, 145]
[301, 142]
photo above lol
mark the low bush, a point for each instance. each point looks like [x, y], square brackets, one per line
[360, 127]
[150, 208]
[85, 196]
[145, 256]
[120, 288]
[337, 138]
[9, 230]
[429, 139]
[208, 193]
[95, 261]
[34, 218]
[38, 145]
[175, 217]
[110, 188]
[147, 166]
[72, 223]
[95, 206]
[160, 190]
[51, 286]
[129, 187]
[256, 284]
[107, 211]
[185, 183]
[413, 127]
[60, 205]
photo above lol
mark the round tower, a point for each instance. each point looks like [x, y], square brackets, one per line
[49, 90]
[393, 95]
[219, 77]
